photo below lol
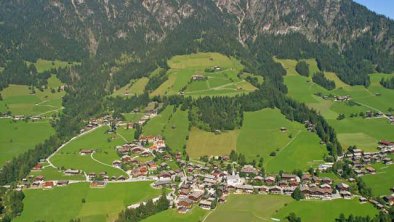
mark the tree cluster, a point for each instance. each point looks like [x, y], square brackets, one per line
[321, 80]
[387, 83]
[302, 68]
[144, 210]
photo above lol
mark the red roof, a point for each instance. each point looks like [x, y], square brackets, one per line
[48, 184]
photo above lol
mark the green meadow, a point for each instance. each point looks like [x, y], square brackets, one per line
[98, 140]
[51, 173]
[177, 130]
[225, 82]
[296, 148]
[43, 65]
[155, 126]
[171, 215]
[20, 136]
[135, 87]
[19, 100]
[101, 204]
[325, 211]
[202, 143]
[251, 208]
[382, 181]
[364, 133]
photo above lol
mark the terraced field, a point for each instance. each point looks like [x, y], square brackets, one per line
[261, 135]
[19, 99]
[222, 82]
[364, 133]
[98, 140]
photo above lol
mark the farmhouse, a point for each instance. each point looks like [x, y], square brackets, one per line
[184, 203]
[342, 98]
[389, 199]
[249, 169]
[196, 195]
[86, 152]
[275, 190]
[198, 77]
[71, 172]
[48, 184]
[205, 204]
[37, 167]
[343, 187]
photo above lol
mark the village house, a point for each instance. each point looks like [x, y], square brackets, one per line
[48, 184]
[98, 184]
[198, 77]
[342, 98]
[342, 187]
[86, 152]
[117, 163]
[269, 180]
[275, 190]
[184, 205]
[205, 204]
[70, 172]
[389, 199]
[62, 183]
[370, 170]
[39, 178]
[37, 167]
[196, 195]
[345, 194]
[249, 170]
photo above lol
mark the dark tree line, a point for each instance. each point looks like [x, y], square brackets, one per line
[20, 166]
[18, 72]
[217, 113]
[155, 81]
[381, 217]
[321, 80]
[302, 68]
[11, 204]
[144, 210]
[387, 83]
[125, 105]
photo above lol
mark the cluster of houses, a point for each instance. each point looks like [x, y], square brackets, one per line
[205, 186]
[361, 161]
[23, 117]
[39, 182]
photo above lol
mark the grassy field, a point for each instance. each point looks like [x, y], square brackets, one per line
[18, 137]
[135, 87]
[43, 65]
[176, 130]
[252, 208]
[351, 131]
[303, 152]
[202, 143]
[155, 126]
[224, 82]
[20, 101]
[65, 203]
[51, 173]
[382, 181]
[195, 215]
[325, 211]
[295, 149]
[104, 145]
[365, 133]
[132, 117]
